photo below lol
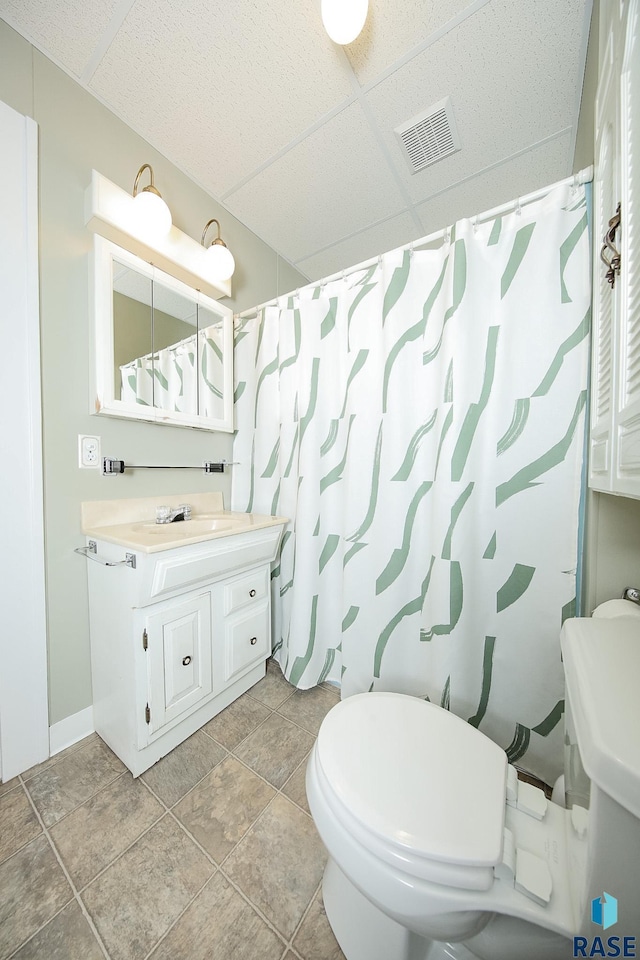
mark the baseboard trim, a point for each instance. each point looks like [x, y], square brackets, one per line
[68, 731]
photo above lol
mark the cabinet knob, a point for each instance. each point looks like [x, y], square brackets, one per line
[252, 593]
[186, 661]
[253, 641]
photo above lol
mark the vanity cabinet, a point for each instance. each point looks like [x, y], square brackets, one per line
[614, 463]
[177, 638]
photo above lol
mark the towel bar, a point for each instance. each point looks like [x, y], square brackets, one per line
[91, 553]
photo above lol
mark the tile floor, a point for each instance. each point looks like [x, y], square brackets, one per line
[212, 853]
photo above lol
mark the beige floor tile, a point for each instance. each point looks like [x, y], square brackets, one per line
[32, 890]
[220, 924]
[181, 769]
[275, 749]
[135, 901]
[67, 937]
[295, 787]
[279, 864]
[237, 721]
[8, 785]
[273, 689]
[91, 837]
[220, 810]
[315, 940]
[56, 758]
[308, 708]
[18, 822]
[60, 788]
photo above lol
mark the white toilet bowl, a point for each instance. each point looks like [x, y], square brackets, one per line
[410, 802]
[437, 851]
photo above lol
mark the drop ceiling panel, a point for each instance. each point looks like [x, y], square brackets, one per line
[68, 31]
[220, 88]
[332, 184]
[392, 29]
[513, 71]
[254, 102]
[378, 239]
[537, 168]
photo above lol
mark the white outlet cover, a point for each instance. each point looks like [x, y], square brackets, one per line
[88, 452]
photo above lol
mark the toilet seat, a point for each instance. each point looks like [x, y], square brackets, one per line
[416, 785]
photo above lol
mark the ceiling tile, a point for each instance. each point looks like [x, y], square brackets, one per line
[537, 168]
[220, 88]
[378, 239]
[513, 71]
[333, 183]
[392, 29]
[68, 31]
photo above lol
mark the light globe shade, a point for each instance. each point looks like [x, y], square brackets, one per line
[220, 262]
[153, 217]
[344, 19]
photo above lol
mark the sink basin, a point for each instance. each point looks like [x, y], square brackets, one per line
[130, 523]
[186, 528]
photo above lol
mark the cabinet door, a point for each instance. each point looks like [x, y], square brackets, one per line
[604, 297]
[627, 478]
[179, 659]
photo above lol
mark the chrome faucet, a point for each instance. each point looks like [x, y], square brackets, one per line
[169, 515]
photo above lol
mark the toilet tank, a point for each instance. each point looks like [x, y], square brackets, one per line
[602, 766]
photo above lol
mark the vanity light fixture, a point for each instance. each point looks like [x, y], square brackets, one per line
[220, 259]
[344, 19]
[111, 212]
[153, 214]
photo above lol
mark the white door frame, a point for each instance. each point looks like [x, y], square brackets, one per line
[24, 712]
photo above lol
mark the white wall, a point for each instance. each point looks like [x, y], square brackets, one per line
[24, 738]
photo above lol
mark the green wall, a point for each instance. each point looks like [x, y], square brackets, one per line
[76, 135]
[583, 154]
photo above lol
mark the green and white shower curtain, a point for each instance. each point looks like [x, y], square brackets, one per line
[421, 423]
[187, 376]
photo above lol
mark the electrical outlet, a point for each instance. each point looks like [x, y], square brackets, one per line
[88, 451]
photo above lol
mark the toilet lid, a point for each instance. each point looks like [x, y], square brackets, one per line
[416, 776]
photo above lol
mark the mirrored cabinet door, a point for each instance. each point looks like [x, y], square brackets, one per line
[132, 335]
[163, 351]
[175, 327]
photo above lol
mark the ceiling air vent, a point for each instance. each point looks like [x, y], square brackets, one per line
[430, 136]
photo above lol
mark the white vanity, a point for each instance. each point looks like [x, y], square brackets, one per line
[180, 617]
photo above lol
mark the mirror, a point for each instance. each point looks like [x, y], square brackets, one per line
[163, 351]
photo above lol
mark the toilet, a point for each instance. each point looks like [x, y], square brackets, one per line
[436, 850]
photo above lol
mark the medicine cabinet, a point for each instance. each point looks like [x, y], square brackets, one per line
[163, 351]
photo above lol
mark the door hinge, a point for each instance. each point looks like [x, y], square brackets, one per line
[145, 639]
[147, 714]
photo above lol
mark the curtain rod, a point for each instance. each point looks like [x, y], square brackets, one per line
[577, 179]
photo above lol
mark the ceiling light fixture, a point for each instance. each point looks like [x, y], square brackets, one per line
[153, 214]
[219, 257]
[344, 19]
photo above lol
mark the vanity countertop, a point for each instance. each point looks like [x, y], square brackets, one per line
[131, 523]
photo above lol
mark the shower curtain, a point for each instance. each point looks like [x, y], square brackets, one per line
[168, 378]
[421, 424]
